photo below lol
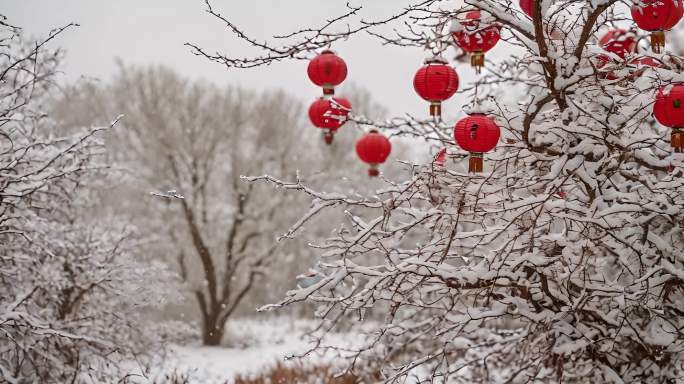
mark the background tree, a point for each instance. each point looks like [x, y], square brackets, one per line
[198, 139]
[562, 262]
[72, 289]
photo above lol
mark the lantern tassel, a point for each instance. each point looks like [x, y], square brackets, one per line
[436, 109]
[476, 162]
[328, 136]
[657, 41]
[677, 140]
[373, 171]
[477, 60]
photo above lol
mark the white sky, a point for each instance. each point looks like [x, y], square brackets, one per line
[154, 31]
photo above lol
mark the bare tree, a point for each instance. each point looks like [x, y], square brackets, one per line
[197, 140]
[562, 262]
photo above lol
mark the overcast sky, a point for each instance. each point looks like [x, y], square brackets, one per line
[154, 31]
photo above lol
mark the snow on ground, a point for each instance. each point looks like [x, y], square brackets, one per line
[252, 345]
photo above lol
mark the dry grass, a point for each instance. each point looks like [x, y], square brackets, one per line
[281, 374]
[298, 374]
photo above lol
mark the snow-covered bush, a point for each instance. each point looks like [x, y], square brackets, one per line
[72, 291]
[563, 261]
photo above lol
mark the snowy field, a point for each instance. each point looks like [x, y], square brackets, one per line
[251, 346]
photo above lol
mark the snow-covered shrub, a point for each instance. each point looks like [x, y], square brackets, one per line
[72, 288]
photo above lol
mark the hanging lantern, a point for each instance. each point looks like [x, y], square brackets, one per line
[636, 67]
[476, 134]
[327, 70]
[440, 159]
[527, 6]
[435, 82]
[669, 111]
[657, 16]
[640, 64]
[602, 61]
[373, 149]
[475, 36]
[330, 115]
[619, 42]
[646, 61]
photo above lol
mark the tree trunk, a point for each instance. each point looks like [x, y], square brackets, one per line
[212, 331]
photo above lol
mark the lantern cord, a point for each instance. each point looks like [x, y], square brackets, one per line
[438, 48]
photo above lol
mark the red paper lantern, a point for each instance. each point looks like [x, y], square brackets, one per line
[327, 70]
[477, 134]
[619, 42]
[329, 114]
[668, 109]
[636, 66]
[640, 64]
[440, 158]
[527, 6]
[476, 37]
[604, 60]
[647, 61]
[373, 148]
[656, 17]
[435, 82]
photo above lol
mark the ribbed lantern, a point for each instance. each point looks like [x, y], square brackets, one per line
[440, 158]
[619, 42]
[477, 134]
[373, 148]
[640, 64]
[657, 16]
[330, 115]
[646, 61]
[636, 67]
[604, 60]
[435, 82]
[668, 109]
[475, 36]
[327, 70]
[527, 6]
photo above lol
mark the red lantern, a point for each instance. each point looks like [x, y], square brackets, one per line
[440, 158]
[604, 60]
[647, 61]
[669, 111]
[327, 70]
[641, 63]
[476, 134]
[435, 82]
[527, 6]
[474, 36]
[636, 66]
[329, 114]
[373, 148]
[619, 42]
[657, 16]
